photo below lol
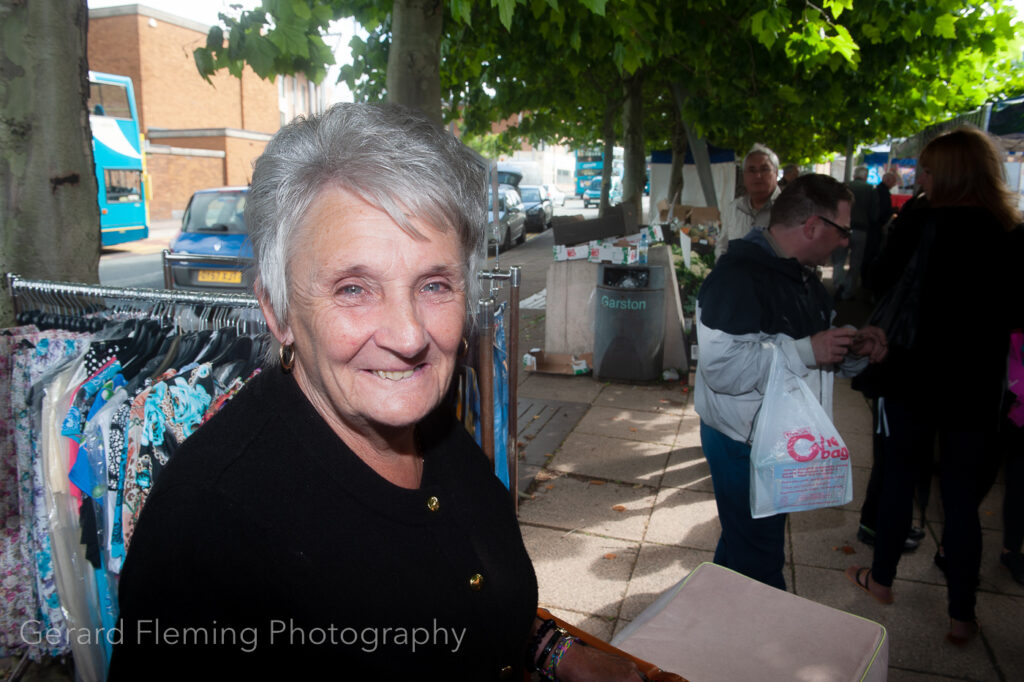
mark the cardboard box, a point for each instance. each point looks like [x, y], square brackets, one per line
[576, 252]
[681, 211]
[619, 220]
[558, 363]
[653, 232]
[603, 252]
[705, 215]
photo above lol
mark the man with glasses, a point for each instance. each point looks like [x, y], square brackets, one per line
[760, 179]
[766, 289]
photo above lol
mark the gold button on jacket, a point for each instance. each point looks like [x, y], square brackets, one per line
[433, 503]
[476, 581]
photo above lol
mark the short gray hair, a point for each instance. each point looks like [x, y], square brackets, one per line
[860, 173]
[392, 157]
[759, 148]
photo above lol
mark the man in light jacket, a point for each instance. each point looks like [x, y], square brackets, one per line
[760, 180]
[767, 289]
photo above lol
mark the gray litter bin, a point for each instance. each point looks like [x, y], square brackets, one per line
[629, 323]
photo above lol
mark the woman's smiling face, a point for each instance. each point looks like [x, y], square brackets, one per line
[376, 316]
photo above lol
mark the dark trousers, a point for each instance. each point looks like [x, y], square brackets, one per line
[1011, 443]
[869, 517]
[753, 547]
[967, 460]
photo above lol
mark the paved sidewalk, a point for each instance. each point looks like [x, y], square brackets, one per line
[624, 508]
[161, 232]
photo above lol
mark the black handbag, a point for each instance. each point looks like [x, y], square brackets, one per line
[898, 310]
[897, 314]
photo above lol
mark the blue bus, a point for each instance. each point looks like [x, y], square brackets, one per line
[118, 154]
[588, 166]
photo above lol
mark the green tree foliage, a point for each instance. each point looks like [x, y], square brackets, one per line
[800, 76]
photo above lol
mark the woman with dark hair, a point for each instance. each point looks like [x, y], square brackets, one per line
[964, 314]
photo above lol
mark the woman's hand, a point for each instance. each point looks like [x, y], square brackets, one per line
[870, 341]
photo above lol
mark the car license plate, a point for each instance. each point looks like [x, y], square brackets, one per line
[220, 276]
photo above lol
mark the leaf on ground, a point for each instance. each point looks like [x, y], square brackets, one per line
[596, 482]
[550, 486]
[633, 429]
[619, 508]
[610, 555]
[845, 549]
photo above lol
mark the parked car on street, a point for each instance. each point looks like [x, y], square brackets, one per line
[537, 206]
[592, 195]
[556, 195]
[213, 228]
[511, 225]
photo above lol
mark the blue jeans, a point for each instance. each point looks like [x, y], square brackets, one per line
[753, 547]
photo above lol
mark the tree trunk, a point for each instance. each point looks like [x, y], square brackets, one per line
[414, 61]
[634, 175]
[675, 175]
[608, 156]
[48, 208]
[699, 149]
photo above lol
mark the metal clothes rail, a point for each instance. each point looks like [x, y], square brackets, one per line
[28, 287]
[485, 370]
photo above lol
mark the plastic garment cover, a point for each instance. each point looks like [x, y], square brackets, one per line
[501, 397]
[798, 460]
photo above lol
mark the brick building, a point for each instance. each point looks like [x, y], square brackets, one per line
[197, 134]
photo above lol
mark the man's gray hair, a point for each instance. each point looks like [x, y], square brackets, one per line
[860, 173]
[759, 148]
[392, 157]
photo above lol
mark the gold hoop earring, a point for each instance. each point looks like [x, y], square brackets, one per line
[463, 348]
[286, 352]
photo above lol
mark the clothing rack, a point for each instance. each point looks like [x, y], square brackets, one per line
[63, 297]
[485, 340]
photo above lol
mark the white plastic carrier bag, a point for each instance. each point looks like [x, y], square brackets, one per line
[798, 460]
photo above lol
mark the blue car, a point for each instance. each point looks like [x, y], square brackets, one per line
[213, 227]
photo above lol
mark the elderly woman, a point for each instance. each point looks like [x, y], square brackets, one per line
[964, 316]
[333, 518]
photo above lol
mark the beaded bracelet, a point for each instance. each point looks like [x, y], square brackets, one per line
[531, 651]
[551, 668]
[555, 638]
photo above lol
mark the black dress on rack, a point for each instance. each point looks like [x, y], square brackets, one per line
[268, 549]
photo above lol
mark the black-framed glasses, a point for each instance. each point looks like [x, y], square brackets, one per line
[845, 231]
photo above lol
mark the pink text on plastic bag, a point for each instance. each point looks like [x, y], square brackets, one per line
[828, 448]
